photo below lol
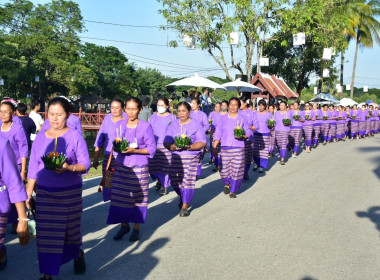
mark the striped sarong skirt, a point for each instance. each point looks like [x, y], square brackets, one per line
[183, 175]
[272, 141]
[159, 165]
[354, 128]
[340, 130]
[58, 225]
[3, 227]
[362, 127]
[308, 131]
[107, 191]
[332, 131]
[373, 126]
[248, 150]
[325, 130]
[295, 135]
[282, 138]
[129, 198]
[261, 148]
[232, 167]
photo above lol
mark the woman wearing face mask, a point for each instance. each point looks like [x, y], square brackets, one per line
[130, 184]
[281, 132]
[185, 160]
[200, 116]
[333, 123]
[362, 122]
[340, 134]
[232, 148]
[261, 138]
[106, 134]
[159, 165]
[316, 124]
[295, 132]
[354, 122]
[252, 122]
[271, 110]
[307, 126]
[214, 119]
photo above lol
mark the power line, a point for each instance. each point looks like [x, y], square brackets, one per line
[124, 42]
[124, 25]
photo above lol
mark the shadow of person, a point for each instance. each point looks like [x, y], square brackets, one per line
[373, 214]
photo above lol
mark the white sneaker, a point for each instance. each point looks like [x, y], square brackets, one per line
[294, 156]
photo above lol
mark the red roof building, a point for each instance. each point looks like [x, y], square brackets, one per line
[273, 88]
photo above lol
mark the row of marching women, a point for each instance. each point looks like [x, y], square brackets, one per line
[168, 148]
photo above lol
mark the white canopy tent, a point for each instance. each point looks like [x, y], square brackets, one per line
[347, 102]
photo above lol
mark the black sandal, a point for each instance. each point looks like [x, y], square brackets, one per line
[135, 235]
[80, 264]
[3, 264]
[122, 231]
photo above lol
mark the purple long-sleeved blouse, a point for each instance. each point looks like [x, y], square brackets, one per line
[318, 116]
[262, 120]
[311, 115]
[202, 118]
[294, 122]
[193, 129]
[12, 189]
[225, 130]
[106, 135]
[17, 139]
[159, 125]
[143, 135]
[278, 117]
[72, 145]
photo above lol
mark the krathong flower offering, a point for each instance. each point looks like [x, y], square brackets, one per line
[325, 118]
[182, 141]
[287, 122]
[307, 117]
[296, 117]
[271, 123]
[238, 130]
[210, 121]
[120, 144]
[317, 117]
[367, 117]
[339, 118]
[54, 160]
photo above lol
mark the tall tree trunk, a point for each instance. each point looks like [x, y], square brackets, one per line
[354, 68]
[341, 72]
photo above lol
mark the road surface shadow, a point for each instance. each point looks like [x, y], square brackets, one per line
[373, 214]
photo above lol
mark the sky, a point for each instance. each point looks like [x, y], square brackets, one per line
[181, 62]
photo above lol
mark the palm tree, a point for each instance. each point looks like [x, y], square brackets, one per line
[365, 33]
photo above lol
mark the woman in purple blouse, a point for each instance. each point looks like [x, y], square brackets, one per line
[316, 124]
[307, 126]
[159, 165]
[130, 184]
[281, 131]
[261, 137]
[15, 133]
[223, 111]
[59, 192]
[325, 123]
[372, 120]
[232, 148]
[340, 124]
[272, 139]
[354, 122]
[363, 122]
[201, 117]
[185, 161]
[333, 123]
[106, 134]
[214, 119]
[251, 120]
[12, 191]
[295, 132]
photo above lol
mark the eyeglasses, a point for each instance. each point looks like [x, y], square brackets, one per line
[4, 113]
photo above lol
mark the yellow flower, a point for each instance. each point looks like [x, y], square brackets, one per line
[52, 154]
[238, 127]
[183, 136]
[118, 140]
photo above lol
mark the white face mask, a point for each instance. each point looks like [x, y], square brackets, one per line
[161, 110]
[363, 108]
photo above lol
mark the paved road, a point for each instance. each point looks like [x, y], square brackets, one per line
[317, 217]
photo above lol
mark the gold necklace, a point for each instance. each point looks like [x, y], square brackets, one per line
[7, 129]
